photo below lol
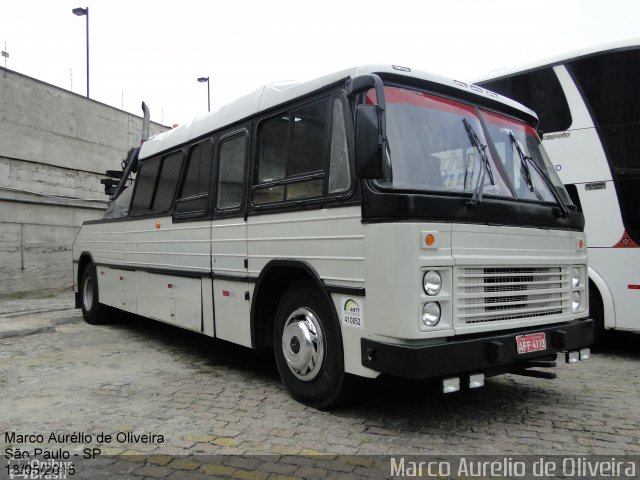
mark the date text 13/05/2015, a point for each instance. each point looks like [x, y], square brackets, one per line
[37, 469]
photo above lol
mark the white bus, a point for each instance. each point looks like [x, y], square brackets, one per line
[589, 107]
[374, 221]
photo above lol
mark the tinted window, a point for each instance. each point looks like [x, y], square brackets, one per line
[194, 196]
[308, 151]
[339, 173]
[231, 173]
[610, 84]
[145, 183]
[541, 91]
[197, 176]
[273, 146]
[293, 144]
[168, 181]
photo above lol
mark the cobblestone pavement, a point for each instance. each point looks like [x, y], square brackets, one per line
[193, 396]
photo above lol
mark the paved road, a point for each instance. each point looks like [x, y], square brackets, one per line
[163, 393]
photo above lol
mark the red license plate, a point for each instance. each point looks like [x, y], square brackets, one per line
[534, 342]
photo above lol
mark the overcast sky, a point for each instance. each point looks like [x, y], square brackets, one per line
[155, 50]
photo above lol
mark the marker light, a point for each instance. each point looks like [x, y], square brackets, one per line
[431, 314]
[476, 380]
[431, 282]
[575, 276]
[429, 240]
[450, 385]
[576, 300]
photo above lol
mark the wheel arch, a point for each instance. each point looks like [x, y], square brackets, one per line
[85, 259]
[274, 279]
[608, 305]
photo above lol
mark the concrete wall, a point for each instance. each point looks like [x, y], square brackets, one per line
[54, 148]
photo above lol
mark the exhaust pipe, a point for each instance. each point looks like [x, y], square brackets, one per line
[145, 123]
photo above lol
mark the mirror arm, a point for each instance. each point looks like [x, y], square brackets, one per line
[361, 83]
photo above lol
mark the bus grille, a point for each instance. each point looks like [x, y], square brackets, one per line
[493, 294]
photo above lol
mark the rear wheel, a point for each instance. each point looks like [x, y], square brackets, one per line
[308, 348]
[92, 311]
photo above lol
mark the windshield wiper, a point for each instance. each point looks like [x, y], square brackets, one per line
[527, 160]
[486, 166]
[524, 165]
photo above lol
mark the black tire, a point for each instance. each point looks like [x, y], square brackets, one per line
[308, 348]
[92, 311]
[596, 312]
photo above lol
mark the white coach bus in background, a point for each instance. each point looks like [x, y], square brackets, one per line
[589, 108]
[377, 220]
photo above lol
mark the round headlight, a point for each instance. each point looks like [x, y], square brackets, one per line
[431, 314]
[431, 282]
[575, 276]
[576, 300]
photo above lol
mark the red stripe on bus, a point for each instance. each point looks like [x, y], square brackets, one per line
[633, 287]
[502, 121]
[413, 97]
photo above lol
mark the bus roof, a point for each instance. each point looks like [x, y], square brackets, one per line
[627, 44]
[270, 96]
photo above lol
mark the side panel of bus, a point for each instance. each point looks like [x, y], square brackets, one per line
[580, 160]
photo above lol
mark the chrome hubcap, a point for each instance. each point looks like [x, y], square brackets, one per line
[303, 344]
[87, 293]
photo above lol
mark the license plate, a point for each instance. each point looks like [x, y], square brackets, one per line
[534, 342]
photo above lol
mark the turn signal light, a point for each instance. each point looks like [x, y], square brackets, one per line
[429, 240]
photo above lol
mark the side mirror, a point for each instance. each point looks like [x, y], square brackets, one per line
[369, 142]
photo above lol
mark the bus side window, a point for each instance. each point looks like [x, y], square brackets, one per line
[231, 166]
[540, 90]
[168, 182]
[339, 173]
[193, 199]
[145, 185]
[293, 154]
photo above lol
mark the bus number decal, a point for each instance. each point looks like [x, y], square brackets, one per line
[352, 313]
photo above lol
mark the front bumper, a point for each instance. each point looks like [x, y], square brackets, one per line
[488, 353]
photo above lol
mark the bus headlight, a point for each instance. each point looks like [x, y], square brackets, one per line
[576, 300]
[431, 314]
[575, 277]
[431, 282]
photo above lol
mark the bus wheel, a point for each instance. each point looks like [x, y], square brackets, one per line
[92, 311]
[308, 348]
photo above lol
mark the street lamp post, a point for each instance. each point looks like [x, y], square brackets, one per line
[84, 12]
[202, 80]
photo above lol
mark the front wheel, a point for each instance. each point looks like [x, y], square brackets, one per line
[92, 311]
[308, 348]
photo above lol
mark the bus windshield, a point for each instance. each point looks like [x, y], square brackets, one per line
[437, 144]
[518, 146]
